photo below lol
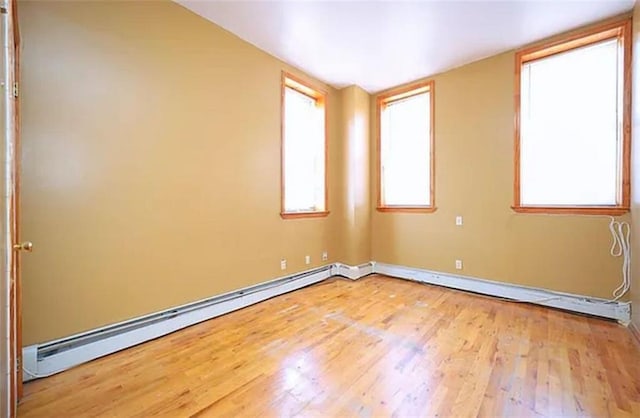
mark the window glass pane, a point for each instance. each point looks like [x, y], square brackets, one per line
[406, 151]
[304, 148]
[570, 128]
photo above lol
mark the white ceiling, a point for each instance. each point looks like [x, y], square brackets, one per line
[380, 44]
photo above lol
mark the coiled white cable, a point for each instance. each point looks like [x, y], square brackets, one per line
[621, 247]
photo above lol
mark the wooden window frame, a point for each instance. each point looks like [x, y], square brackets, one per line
[307, 88]
[620, 30]
[381, 101]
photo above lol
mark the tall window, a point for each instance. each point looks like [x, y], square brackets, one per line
[572, 124]
[405, 149]
[304, 151]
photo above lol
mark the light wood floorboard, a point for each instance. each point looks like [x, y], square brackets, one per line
[373, 347]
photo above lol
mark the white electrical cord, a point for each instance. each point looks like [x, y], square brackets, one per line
[621, 247]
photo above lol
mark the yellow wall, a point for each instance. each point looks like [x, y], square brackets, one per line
[151, 165]
[355, 162]
[635, 173]
[474, 178]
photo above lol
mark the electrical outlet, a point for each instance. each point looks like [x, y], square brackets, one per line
[458, 264]
[283, 264]
[307, 259]
[325, 256]
[458, 220]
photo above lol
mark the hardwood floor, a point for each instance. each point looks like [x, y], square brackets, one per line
[372, 347]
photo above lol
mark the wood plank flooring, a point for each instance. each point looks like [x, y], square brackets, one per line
[373, 347]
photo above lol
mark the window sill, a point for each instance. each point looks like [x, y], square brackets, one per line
[300, 215]
[577, 210]
[407, 209]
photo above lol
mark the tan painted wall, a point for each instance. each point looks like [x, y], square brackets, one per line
[635, 173]
[151, 174]
[474, 178]
[356, 154]
[151, 165]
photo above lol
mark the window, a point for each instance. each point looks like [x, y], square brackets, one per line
[572, 124]
[304, 150]
[405, 149]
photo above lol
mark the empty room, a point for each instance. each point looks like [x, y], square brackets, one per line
[320, 208]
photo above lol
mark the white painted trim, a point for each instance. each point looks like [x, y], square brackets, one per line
[354, 272]
[620, 311]
[29, 362]
[55, 363]
[190, 314]
[172, 310]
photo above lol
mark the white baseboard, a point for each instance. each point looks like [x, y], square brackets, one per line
[354, 272]
[45, 359]
[149, 327]
[620, 311]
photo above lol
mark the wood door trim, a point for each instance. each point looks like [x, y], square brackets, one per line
[635, 332]
[16, 193]
[15, 302]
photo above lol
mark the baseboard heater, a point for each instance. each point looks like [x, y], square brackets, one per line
[56, 356]
[43, 360]
[616, 310]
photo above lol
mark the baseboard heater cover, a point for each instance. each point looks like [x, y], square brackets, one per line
[620, 311]
[53, 357]
[43, 360]
[354, 272]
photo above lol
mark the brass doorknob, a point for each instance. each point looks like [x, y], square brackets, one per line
[24, 246]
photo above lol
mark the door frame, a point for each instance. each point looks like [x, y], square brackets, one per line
[12, 171]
